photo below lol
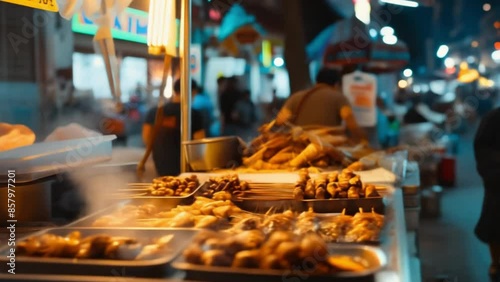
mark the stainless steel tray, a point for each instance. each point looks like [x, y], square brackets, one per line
[170, 199]
[162, 202]
[159, 267]
[351, 206]
[374, 256]
[262, 206]
[87, 221]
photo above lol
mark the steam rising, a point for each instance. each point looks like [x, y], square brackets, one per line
[102, 186]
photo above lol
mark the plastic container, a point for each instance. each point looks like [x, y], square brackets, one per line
[431, 202]
[412, 218]
[50, 158]
[447, 171]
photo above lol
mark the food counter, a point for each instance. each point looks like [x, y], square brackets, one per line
[395, 245]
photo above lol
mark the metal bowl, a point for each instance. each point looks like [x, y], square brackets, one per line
[214, 153]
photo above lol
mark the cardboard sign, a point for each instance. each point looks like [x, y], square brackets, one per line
[361, 91]
[47, 5]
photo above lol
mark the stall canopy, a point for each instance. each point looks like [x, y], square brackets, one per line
[348, 43]
[239, 27]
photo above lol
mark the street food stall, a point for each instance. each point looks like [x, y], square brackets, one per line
[296, 203]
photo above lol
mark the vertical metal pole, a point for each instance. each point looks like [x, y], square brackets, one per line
[185, 78]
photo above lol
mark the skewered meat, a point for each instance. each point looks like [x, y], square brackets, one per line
[345, 263]
[214, 244]
[371, 191]
[222, 196]
[270, 262]
[251, 238]
[353, 193]
[282, 250]
[222, 211]
[125, 249]
[362, 227]
[356, 166]
[313, 246]
[216, 258]
[320, 193]
[223, 187]
[275, 239]
[345, 184]
[192, 254]
[298, 194]
[99, 246]
[289, 253]
[173, 186]
[306, 223]
[180, 216]
[208, 221]
[248, 259]
[183, 219]
[275, 222]
[249, 223]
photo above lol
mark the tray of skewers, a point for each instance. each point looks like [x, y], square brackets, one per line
[337, 192]
[100, 251]
[274, 254]
[168, 191]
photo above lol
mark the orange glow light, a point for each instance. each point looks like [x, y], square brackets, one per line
[497, 45]
[497, 25]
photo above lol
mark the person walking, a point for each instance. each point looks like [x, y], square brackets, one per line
[487, 155]
[167, 143]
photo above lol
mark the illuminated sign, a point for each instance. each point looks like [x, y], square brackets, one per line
[48, 5]
[130, 25]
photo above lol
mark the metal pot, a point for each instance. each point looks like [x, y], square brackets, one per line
[214, 153]
[33, 202]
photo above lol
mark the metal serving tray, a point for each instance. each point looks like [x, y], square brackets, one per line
[351, 206]
[374, 256]
[164, 203]
[159, 267]
[170, 199]
[89, 220]
[263, 206]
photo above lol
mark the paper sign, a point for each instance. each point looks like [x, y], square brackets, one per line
[47, 5]
[361, 90]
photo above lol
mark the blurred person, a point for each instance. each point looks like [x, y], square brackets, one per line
[167, 143]
[419, 112]
[245, 117]
[487, 155]
[274, 106]
[229, 95]
[323, 104]
[203, 104]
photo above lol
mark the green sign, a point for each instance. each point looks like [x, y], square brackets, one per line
[131, 25]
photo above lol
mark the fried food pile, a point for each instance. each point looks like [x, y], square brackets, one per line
[277, 250]
[93, 247]
[173, 186]
[203, 213]
[362, 227]
[334, 185]
[296, 147]
[223, 187]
